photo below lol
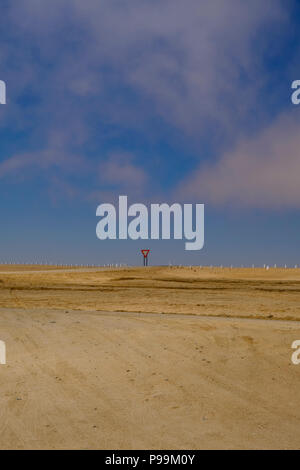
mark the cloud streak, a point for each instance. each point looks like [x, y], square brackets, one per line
[120, 170]
[83, 74]
[262, 172]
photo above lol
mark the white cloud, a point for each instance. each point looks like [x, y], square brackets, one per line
[120, 170]
[188, 60]
[196, 66]
[262, 172]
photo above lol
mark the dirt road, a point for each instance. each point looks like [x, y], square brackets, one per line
[87, 379]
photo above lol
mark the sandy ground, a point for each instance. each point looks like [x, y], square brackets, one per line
[156, 358]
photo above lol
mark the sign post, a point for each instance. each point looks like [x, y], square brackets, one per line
[145, 254]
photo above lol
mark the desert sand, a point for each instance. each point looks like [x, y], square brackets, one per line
[149, 358]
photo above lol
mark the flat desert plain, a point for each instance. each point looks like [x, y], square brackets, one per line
[149, 358]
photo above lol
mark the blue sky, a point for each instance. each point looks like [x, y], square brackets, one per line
[160, 100]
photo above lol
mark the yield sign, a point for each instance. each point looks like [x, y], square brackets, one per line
[145, 253]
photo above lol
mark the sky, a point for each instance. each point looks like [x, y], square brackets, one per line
[163, 101]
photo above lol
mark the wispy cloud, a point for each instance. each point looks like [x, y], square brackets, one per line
[261, 172]
[119, 170]
[78, 71]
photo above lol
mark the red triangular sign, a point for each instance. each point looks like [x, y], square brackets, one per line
[145, 253]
